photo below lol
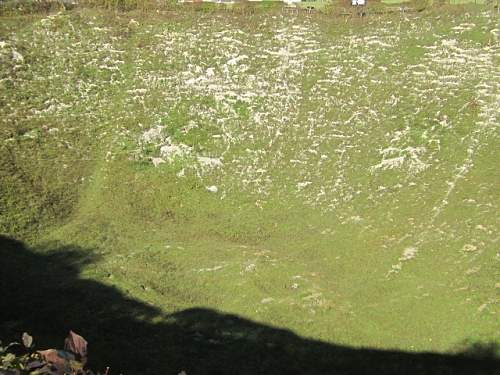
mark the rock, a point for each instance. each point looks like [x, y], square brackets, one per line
[212, 189]
[449, 42]
[153, 134]
[171, 151]
[157, 161]
[207, 162]
[250, 268]
[32, 134]
[409, 253]
[302, 185]
[133, 23]
[482, 307]
[17, 57]
[210, 72]
[469, 248]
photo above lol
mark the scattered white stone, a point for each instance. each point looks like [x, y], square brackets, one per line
[313, 296]
[409, 156]
[469, 248]
[139, 92]
[302, 185]
[17, 57]
[133, 23]
[391, 163]
[396, 267]
[250, 268]
[153, 135]
[210, 72]
[482, 307]
[212, 189]
[32, 134]
[356, 219]
[449, 42]
[237, 59]
[210, 162]
[473, 270]
[409, 253]
[157, 161]
[216, 268]
[172, 151]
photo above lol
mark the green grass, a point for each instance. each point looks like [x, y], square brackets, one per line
[293, 239]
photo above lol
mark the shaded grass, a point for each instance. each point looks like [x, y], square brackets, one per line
[197, 340]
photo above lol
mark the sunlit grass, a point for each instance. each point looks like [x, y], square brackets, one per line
[353, 163]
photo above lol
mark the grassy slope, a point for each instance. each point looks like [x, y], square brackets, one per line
[316, 259]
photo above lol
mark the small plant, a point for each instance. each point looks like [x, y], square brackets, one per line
[22, 358]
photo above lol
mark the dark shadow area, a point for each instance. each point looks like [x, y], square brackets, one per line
[41, 293]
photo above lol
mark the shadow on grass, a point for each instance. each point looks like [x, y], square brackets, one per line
[41, 292]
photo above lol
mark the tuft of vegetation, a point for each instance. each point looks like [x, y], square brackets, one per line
[23, 359]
